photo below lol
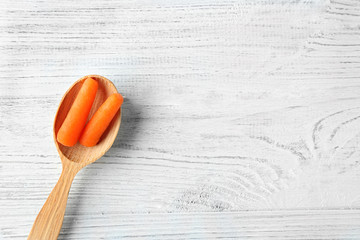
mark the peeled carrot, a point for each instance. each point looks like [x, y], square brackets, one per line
[75, 120]
[101, 120]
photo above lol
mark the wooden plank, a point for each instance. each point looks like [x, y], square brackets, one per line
[288, 224]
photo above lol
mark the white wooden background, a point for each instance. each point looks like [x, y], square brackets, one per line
[241, 119]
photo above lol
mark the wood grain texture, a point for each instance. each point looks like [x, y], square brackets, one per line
[241, 118]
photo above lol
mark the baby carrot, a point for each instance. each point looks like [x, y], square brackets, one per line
[101, 120]
[75, 120]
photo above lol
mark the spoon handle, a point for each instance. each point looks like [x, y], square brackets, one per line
[48, 222]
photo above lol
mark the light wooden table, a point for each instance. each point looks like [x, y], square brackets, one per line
[241, 119]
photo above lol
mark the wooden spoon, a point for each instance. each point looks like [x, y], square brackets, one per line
[48, 222]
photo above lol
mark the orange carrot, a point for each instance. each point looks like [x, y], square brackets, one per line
[101, 120]
[75, 120]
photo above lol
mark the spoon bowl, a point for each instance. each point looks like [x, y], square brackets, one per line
[78, 153]
[48, 222]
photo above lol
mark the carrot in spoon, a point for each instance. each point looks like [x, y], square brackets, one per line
[75, 120]
[101, 120]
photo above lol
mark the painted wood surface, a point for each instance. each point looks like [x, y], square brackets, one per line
[241, 118]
